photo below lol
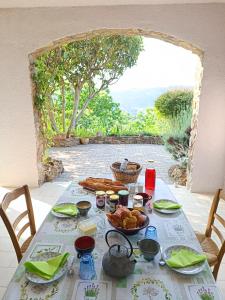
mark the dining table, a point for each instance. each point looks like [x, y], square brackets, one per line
[149, 280]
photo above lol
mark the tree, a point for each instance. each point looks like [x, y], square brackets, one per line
[101, 114]
[172, 103]
[93, 64]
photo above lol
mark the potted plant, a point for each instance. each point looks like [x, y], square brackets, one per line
[84, 135]
[84, 140]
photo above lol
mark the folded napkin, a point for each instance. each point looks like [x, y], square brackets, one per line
[164, 204]
[69, 209]
[46, 269]
[184, 258]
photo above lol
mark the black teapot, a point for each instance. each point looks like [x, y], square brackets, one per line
[118, 262]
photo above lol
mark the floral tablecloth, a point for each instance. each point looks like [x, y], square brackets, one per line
[149, 280]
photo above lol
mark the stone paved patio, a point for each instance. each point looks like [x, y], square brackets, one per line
[95, 160]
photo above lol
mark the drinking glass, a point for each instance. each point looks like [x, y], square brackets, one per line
[87, 268]
[151, 233]
[150, 175]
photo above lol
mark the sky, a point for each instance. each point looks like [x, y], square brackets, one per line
[161, 64]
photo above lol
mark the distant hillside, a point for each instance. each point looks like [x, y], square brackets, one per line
[134, 100]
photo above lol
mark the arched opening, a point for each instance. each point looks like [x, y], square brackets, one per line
[126, 32]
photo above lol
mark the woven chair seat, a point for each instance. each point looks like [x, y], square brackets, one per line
[209, 248]
[26, 244]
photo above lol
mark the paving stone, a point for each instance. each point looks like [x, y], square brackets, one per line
[95, 160]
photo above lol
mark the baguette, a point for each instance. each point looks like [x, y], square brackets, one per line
[102, 184]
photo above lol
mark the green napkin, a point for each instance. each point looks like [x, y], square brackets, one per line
[184, 258]
[66, 209]
[164, 204]
[46, 269]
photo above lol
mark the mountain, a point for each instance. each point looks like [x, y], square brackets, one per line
[134, 100]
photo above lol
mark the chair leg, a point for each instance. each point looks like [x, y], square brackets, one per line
[215, 270]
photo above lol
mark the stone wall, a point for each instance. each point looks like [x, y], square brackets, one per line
[73, 141]
[65, 142]
[126, 140]
[194, 123]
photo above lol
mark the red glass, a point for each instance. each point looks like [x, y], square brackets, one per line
[150, 176]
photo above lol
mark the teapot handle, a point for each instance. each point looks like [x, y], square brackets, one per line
[118, 232]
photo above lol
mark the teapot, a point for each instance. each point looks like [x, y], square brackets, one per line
[117, 262]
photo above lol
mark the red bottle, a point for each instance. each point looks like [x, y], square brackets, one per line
[150, 176]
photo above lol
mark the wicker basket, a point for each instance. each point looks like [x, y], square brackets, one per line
[128, 176]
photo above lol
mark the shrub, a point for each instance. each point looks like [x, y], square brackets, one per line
[176, 136]
[172, 103]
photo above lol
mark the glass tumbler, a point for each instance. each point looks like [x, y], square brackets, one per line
[151, 233]
[150, 175]
[87, 268]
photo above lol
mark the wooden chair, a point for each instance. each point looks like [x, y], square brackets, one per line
[12, 227]
[213, 252]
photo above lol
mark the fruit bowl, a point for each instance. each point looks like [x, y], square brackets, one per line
[131, 231]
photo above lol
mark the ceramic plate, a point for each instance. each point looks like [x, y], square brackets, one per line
[45, 256]
[166, 211]
[59, 215]
[192, 270]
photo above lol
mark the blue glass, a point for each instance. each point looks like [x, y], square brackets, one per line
[151, 233]
[87, 268]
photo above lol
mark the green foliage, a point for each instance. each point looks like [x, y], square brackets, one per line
[101, 115]
[103, 58]
[144, 123]
[172, 103]
[176, 135]
[69, 78]
[72, 94]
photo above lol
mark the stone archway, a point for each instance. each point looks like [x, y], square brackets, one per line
[145, 33]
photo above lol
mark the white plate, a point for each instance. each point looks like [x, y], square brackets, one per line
[42, 257]
[192, 270]
[60, 215]
[166, 211]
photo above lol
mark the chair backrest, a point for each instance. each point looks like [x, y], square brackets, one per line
[12, 226]
[214, 215]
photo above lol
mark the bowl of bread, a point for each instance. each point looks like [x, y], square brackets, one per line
[128, 220]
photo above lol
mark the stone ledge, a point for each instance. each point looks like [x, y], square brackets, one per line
[73, 141]
[126, 140]
[66, 142]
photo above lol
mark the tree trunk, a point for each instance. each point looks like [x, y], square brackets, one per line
[87, 101]
[84, 107]
[72, 125]
[51, 114]
[63, 105]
